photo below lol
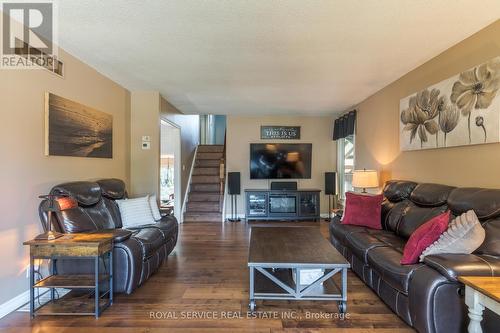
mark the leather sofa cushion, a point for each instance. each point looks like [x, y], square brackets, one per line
[119, 235]
[392, 214]
[75, 220]
[484, 202]
[398, 190]
[491, 244]
[167, 225]
[454, 265]
[385, 261]
[391, 239]
[430, 195]
[86, 193]
[112, 188]
[361, 242]
[339, 231]
[414, 216]
[151, 240]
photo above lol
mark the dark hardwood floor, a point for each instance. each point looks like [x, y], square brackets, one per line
[206, 275]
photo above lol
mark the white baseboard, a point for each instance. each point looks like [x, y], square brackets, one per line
[14, 304]
[23, 300]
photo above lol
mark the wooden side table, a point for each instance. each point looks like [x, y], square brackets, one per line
[76, 247]
[480, 293]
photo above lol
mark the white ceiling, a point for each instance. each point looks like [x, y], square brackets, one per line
[265, 56]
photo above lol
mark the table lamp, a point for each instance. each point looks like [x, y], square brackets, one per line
[50, 208]
[365, 179]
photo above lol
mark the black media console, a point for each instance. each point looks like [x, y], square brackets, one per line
[282, 204]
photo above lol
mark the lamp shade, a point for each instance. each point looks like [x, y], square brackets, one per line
[365, 178]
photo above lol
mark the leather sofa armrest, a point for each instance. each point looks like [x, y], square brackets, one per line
[337, 216]
[119, 235]
[338, 213]
[453, 265]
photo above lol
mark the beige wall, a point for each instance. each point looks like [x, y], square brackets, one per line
[377, 139]
[144, 163]
[26, 173]
[241, 131]
[147, 108]
[190, 137]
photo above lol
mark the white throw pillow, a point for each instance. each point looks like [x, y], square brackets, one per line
[135, 212]
[464, 235]
[154, 207]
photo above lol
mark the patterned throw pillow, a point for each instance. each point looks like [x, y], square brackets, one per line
[135, 212]
[463, 236]
[154, 207]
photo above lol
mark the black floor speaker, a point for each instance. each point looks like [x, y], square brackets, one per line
[234, 189]
[330, 190]
[330, 183]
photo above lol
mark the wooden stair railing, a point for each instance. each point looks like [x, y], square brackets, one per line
[222, 175]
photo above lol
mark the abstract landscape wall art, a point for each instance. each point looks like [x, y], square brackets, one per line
[73, 129]
[462, 110]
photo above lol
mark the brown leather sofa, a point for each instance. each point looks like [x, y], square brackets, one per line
[427, 295]
[137, 252]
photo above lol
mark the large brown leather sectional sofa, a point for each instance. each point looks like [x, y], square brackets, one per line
[137, 252]
[426, 295]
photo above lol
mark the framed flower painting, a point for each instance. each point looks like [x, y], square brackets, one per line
[461, 110]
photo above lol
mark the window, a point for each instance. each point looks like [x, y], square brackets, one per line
[345, 164]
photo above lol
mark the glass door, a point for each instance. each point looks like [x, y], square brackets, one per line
[309, 204]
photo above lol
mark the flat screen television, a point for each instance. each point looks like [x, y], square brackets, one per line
[280, 161]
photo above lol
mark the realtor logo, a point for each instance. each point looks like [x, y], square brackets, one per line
[28, 34]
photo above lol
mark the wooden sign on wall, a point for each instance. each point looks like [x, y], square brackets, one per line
[280, 132]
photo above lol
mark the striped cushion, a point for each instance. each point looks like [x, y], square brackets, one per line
[135, 212]
[154, 207]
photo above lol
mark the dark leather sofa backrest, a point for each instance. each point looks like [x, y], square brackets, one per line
[486, 205]
[396, 194]
[96, 207]
[111, 190]
[407, 205]
[426, 202]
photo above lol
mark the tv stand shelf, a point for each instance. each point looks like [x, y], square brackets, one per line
[286, 205]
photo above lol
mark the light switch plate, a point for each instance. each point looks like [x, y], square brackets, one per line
[146, 138]
[146, 145]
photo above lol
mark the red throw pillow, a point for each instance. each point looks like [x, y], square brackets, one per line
[363, 210]
[423, 237]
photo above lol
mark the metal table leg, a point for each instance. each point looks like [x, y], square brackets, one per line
[343, 302]
[96, 296]
[53, 272]
[110, 277]
[32, 289]
[251, 305]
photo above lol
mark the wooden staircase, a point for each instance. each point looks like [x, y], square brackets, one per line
[206, 189]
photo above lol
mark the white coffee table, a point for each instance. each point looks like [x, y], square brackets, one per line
[480, 293]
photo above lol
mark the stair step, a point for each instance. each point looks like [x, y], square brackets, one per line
[211, 148]
[208, 156]
[205, 180]
[202, 217]
[204, 196]
[199, 171]
[206, 163]
[212, 207]
[205, 187]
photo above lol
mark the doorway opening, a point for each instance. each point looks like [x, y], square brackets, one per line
[212, 129]
[170, 169]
